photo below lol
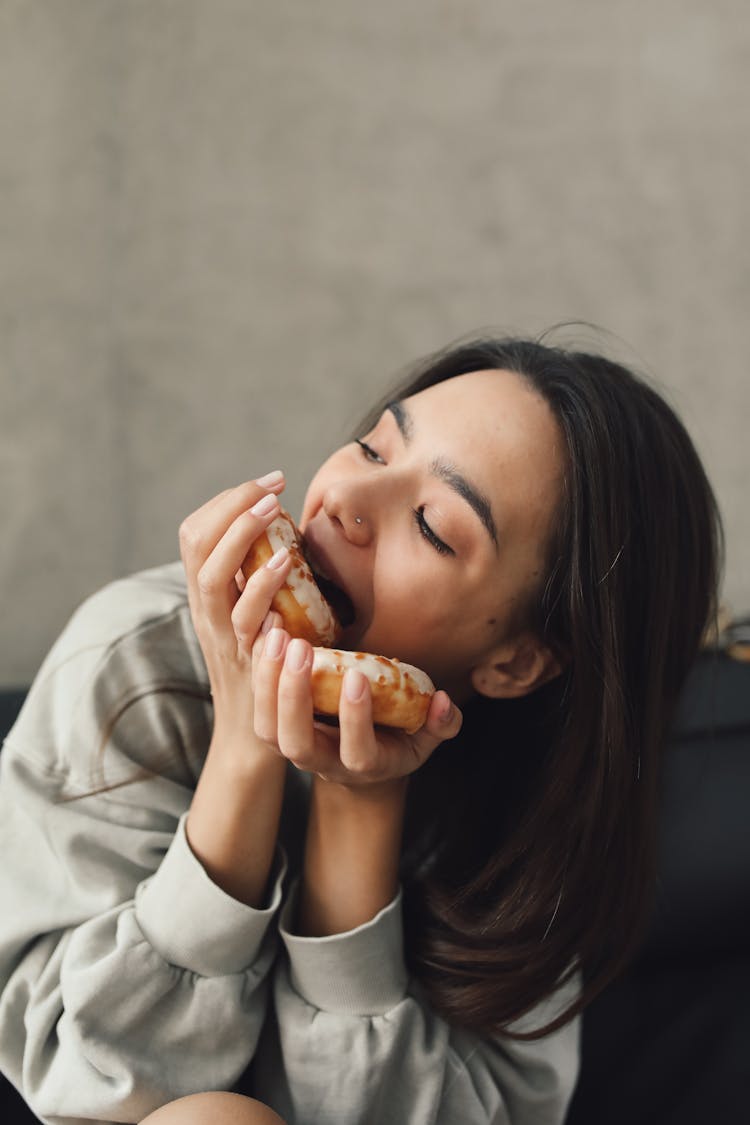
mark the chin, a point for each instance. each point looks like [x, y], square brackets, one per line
[355, 638]
[386, 644]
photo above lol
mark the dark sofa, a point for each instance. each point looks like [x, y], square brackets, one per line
[668, 1043]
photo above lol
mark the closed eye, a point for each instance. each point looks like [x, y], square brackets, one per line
[423, 526]
[370, 453]
[426, 531]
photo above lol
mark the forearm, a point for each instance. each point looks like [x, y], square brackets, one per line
[233, 821]
[351, 855]
[234, 816]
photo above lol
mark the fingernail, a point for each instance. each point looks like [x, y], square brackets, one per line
[274, 643]
[267, 623]
[270, 479]
[446, 713]
[276, 561]
[265, 506]
[354, 685]
[296, 655]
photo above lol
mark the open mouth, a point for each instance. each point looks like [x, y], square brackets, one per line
[339, 601]
[337, 598]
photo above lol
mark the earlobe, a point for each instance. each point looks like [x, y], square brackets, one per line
[516, 669]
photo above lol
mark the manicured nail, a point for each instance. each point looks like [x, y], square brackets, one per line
[274, 643]
[296, 655]
[270, 479]
[276, 561]
[265, 506]
[446, 711]
[354, 685]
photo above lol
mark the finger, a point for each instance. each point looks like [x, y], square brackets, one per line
[201, 531]
[296, 735]
[214, 589]
[252, 607]
[443, 722]
[272, 620]
[359, 751]
[207, 521]
[268, 660]
[273, 481]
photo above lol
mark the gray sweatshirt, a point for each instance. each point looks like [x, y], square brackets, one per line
[128, 978]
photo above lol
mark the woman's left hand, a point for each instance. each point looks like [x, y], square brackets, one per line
[356, 753]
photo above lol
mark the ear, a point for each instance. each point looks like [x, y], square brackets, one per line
[515, 669]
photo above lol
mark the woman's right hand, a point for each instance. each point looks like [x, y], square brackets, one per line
[233, 819]
[228, 612]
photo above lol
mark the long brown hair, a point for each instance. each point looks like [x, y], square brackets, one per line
[530, 845]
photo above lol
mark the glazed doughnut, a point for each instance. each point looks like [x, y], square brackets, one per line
[302, 607]
[400, 692]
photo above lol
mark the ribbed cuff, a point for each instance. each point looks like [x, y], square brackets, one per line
[360, 972]
[193, 923]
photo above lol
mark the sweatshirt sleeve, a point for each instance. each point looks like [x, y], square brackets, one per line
[357, 1042]
[127, 978]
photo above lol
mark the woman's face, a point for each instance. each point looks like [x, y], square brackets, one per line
[435, 524]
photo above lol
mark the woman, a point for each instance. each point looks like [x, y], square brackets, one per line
[533, 528]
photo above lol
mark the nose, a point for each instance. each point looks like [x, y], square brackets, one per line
[352, 511]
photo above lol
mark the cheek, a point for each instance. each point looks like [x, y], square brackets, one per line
[404, 622]
[401, 583]
[429, 620]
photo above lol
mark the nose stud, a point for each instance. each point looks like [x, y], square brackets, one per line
[358, 519]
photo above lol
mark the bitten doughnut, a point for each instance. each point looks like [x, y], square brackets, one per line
[400, 692]
[303, 608]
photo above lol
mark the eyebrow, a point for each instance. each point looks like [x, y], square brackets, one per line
[448, 473]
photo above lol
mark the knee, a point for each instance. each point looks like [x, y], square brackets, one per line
[213, 1108]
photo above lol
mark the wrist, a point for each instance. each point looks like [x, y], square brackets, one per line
[379, 797]
[235, 745]
[233, 821]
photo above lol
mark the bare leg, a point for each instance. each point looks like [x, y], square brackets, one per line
[214, 1108]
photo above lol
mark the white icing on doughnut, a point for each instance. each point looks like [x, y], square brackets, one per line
[283, 533]
[400, 693]
[388, 673]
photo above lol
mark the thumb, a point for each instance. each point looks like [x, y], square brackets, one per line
[443, 722]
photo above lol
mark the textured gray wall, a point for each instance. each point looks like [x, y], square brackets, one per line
[225, 224]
